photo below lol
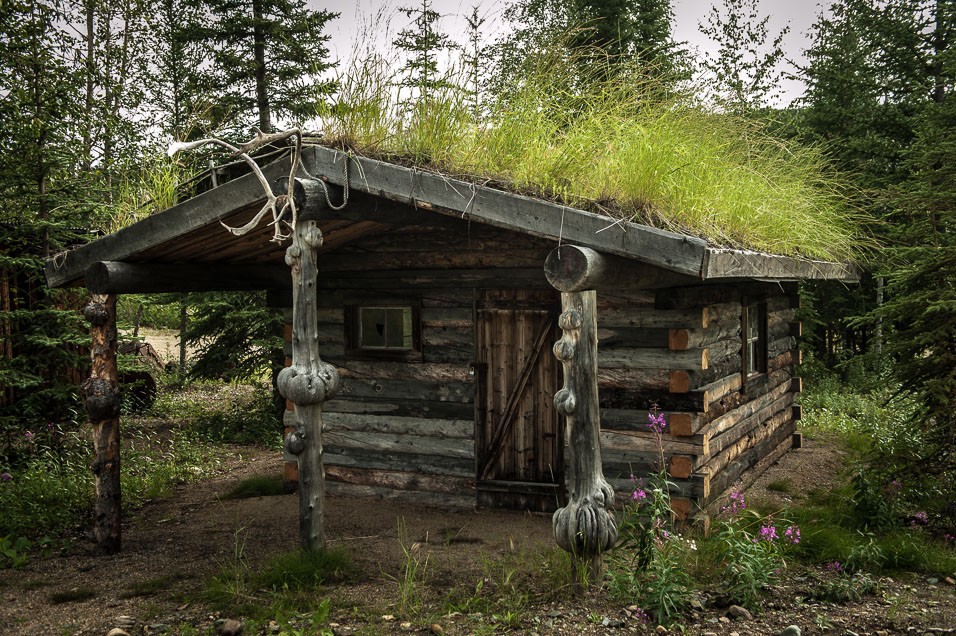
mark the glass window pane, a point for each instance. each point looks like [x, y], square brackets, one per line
[395, 328]
[372, 325]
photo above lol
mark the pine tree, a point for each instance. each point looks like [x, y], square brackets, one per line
[268, 58]
[422, 44]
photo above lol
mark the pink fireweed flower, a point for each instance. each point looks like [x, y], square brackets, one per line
[735, 503]
[835, 567]
[6, 476]
[792, 534]
[920, 519]
[639, 495]
[656, 421]
[767, 533]
[29, 435]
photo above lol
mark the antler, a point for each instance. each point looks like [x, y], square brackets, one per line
[275, 204]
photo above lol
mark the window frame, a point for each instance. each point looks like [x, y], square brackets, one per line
[353, 331]
[754, 357]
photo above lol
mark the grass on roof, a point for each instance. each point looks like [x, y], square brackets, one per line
[608, 142]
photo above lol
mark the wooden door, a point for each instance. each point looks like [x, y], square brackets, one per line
[519, 440]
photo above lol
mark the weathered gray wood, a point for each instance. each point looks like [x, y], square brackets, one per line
[398, 425]
[402, 408]
[401, 442]
[101, 397]
[585, 527]
[410, 497]
[402, 480]
[433, 390]
[112, 277]
[625, 358]
[434, 372]
[575, 268]
[168, 225]
[308, 383]
[510, 278]
[428, 190]
[393, 460]
[723, 263]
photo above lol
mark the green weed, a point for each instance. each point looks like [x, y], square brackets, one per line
[75, 595]
[258, 486]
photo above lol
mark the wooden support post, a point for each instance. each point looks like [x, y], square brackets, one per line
[585, 527]
[308, 383]
[102, 400]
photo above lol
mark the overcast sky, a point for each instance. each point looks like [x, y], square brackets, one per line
[357, 14]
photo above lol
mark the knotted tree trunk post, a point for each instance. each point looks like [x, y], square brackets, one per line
[101, 397]
[585, 527]
[307, 383]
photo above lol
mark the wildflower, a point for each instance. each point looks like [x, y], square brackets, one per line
[639, 495]
[835, 567]
[792, 534]
[920, 519]
[640, 615]
[767, 533]
[29, 435]
[656, 421]
[6, 476]
[736, 504]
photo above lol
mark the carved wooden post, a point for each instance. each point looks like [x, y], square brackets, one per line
[307, 383]
[585, 527]
[102, 400]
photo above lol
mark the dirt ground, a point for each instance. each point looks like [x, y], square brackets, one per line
[185, 538]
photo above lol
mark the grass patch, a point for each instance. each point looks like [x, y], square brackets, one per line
[258, 486]
[781, 485]
[609, 140]
[151, 587]
[76, 595]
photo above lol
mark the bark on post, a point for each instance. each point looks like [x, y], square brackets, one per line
[585, 527]
[102, 400]
[307, 383]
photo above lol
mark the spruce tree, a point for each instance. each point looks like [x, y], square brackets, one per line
[268, 59]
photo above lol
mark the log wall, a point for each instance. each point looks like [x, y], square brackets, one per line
[722, 429]
[407, 428]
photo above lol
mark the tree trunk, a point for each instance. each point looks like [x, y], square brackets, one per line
[102, 400]
[307, 384]
[262, 79]
[183, 323]
[585, 527]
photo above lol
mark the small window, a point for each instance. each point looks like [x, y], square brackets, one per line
[385, 328]
[754, 339]
[388, 330]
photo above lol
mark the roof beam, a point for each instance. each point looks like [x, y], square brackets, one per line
[112, 277]
[432, 191]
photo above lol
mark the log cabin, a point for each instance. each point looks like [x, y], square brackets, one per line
[445, 312]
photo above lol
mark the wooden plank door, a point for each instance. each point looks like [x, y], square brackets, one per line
[519, 439]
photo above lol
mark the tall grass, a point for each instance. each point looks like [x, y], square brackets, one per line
[610, 140]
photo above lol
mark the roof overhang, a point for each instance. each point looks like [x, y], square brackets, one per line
[192, 233]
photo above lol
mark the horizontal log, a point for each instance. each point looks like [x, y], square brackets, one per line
[112, 277]
[682, 339]
[625, 378]
[448, 355]
[406, 389]
[750, 464]
[632, 337]
[400, 443]
[462, 338]
[573, 268]
[731, 419]
[448, 317]
[411, 281]
[637, 420]
[393, 460]
[415, 426]
[431, 499]
[402, 408]
[695, 487]
[767, 429]
[620, 358]
[434, 372]
[647, 443]
[402, 480]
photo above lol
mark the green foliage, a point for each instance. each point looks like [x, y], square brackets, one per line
[413, 575]
[258, 486]
[616, 141]
[751, 549]
[266, 56]
[745, 70]
[231, 414]
[13, 552]
[236, 335]
[422, 44]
